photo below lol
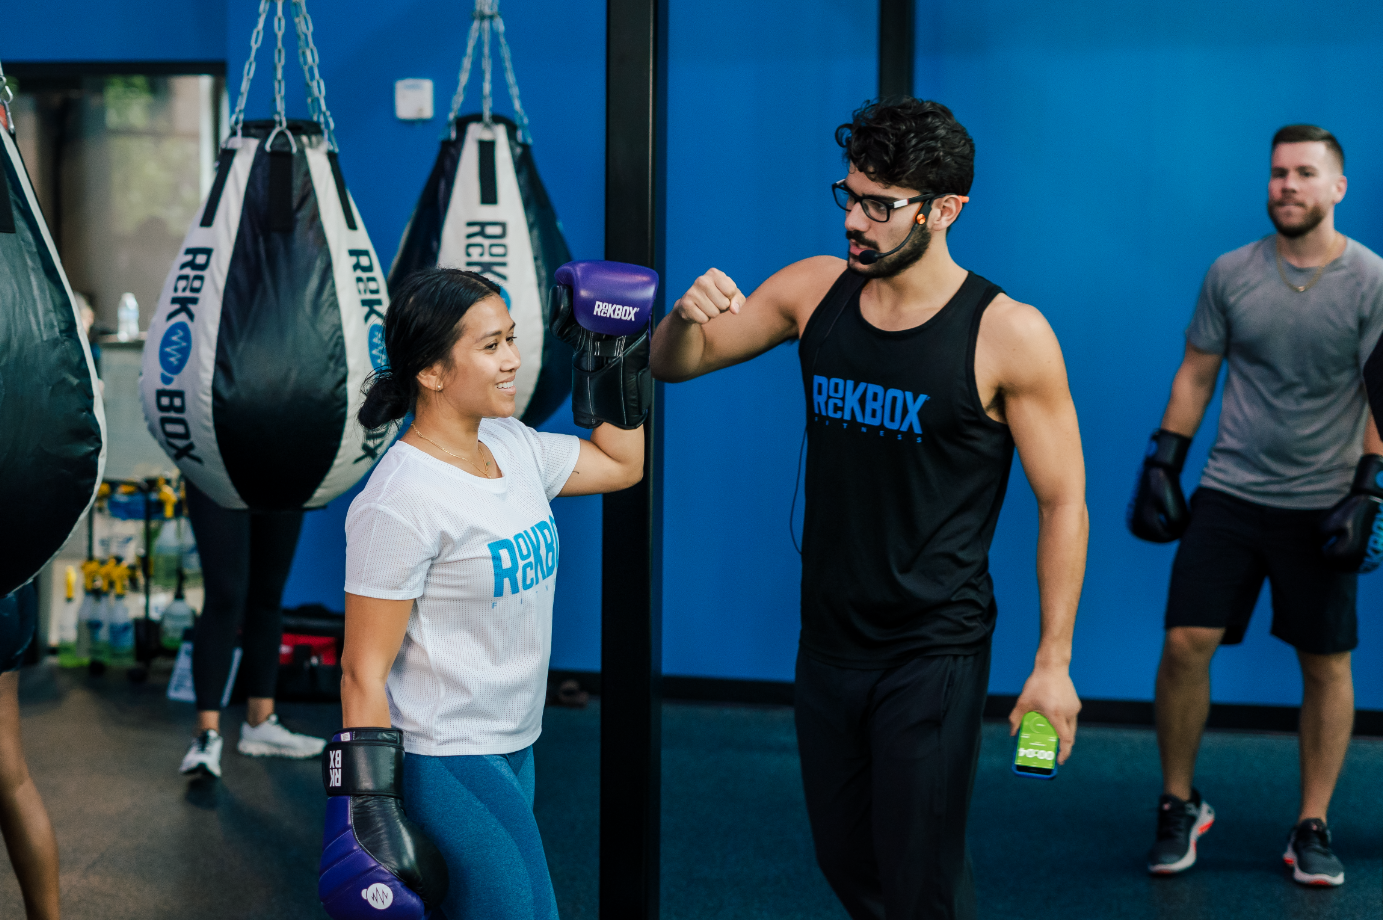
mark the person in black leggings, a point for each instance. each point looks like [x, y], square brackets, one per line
[245, 561]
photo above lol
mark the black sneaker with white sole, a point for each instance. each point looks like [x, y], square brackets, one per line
[1180, 824]
[1309, 855]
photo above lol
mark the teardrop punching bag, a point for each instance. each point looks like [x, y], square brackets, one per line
[52, 424]
[485, 210]
[269, 322]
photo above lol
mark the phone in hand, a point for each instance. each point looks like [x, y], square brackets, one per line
[1034, 754]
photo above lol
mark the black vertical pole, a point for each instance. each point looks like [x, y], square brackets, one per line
[895, 47]
[631, 643]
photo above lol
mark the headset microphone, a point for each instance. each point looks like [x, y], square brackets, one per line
[870, 256]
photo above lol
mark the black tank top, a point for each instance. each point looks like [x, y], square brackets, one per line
[905, 477]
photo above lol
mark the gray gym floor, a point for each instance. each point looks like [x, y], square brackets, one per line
[139, 841]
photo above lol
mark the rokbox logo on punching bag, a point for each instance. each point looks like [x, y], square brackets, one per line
[370, 287]
[174, 350]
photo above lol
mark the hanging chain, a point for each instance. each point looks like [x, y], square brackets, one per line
[6, 97]
[316, 86]
[509, 78]
[280, 116]
[486, 102]
[238, 117]
[312, 74]
[465, 75]
[485, 17]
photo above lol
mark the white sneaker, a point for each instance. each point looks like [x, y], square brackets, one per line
[270, 739]
[204, 757]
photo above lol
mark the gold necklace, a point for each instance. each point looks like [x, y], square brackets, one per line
[485, 472]
[1303, 288]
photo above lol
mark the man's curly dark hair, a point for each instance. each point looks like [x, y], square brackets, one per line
[910, 143]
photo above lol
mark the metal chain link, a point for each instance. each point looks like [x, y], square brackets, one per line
[305, 61]
[485, 17]
[238, 116]
[280, 115]
[519, 115]
[312, 73]
[465, 75]
[486, 103]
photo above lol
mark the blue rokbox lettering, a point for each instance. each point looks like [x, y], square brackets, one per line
[869, 403]
[526, 559]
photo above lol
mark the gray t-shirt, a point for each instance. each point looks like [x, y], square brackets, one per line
[1292, 420]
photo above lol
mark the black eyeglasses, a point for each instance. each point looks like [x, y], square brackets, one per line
[876, 209]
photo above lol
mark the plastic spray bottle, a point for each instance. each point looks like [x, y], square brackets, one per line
[119, 628]
[177, 618]
[72, 613]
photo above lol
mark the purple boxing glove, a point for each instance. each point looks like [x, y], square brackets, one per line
[602, 309]
[376, 863]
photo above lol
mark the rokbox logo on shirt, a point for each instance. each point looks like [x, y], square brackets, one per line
[526, 559]
[868, 403]
[615, 311]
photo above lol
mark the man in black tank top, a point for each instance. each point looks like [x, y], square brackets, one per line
[920, 378]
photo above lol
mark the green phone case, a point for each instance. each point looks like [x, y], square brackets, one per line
[1035, 750]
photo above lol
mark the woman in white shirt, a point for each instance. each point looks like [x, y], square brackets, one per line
[451, 562]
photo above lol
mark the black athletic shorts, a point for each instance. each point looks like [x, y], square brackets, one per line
[1231, 545]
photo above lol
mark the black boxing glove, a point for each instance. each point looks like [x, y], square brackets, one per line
[1352, 531]
[376, 863]
[602, 310]
[1158, 511]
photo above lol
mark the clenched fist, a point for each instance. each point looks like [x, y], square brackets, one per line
[709, 296]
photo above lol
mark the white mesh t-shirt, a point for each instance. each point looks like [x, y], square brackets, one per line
[480, 557]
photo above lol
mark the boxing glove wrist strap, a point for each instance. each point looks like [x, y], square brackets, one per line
[1368, 476]
[1167, 448]
[364, 761]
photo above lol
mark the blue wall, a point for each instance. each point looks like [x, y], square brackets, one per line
[755, 91]
[1120, 149]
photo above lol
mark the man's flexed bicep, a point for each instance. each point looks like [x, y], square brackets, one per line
[714, 325]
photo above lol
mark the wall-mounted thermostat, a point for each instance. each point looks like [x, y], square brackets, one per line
[413, 99]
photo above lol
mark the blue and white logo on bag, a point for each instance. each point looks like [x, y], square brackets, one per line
[173, 351]
[378, 356]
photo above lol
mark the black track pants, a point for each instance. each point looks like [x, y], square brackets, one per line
[245, 562]
[888, 763]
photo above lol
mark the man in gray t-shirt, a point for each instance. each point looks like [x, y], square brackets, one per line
[1293, 415]
[1288, 493]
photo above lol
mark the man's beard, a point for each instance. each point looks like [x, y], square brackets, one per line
[1310, 221]
[892, 265]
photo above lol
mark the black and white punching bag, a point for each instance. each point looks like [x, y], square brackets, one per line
[485, 210]
[272, 315]
[52, 425]
[269, 322]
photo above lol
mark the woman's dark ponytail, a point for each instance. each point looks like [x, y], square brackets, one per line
[386, 400]
[421, 325]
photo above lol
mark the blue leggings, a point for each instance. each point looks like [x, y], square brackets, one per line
[478, 809]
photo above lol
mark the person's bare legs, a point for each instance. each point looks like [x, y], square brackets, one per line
[1183, 702]
[23, 820]
[257, 709]
[1327, 721]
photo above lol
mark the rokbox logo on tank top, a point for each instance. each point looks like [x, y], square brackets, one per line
[869, 404]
